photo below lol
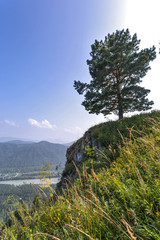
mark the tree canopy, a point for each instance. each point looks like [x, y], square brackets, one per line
[117, 67]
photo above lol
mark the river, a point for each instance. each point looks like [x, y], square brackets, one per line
[29, 181]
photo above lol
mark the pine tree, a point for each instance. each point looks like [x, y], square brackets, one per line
[117, 68]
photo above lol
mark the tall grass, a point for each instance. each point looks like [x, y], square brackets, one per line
[119, 201]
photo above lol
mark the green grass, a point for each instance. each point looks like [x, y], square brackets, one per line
[110, 133]
[120, 200]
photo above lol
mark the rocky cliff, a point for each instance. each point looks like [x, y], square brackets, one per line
[76, 155]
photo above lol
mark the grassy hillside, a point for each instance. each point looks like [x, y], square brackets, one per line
[119, 200]
[107, 136]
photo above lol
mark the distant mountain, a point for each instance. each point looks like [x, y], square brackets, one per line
[9, 139]
[21, 154]
[20, 142]
[24, 141]
[60, 141]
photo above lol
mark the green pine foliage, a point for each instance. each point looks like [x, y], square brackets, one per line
[121, 200]
[117, 67]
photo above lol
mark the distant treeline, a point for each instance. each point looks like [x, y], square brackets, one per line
[14, 155]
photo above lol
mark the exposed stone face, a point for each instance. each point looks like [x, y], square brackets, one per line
[76, 154]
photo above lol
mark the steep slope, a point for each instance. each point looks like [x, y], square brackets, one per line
[112, 194]
[15, 155]
[106, 137]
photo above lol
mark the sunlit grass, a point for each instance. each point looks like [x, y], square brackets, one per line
[121, 200]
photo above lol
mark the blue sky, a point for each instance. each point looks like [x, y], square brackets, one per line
[44, 45]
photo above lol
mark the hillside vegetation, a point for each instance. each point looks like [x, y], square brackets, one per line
[11, 195]
[115, 196]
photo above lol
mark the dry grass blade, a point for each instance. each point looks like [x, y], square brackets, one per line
[7, 231]
[41, 190]
[78, 173]
[102, 154]
[95, 176]
[47, 235]
[80, 231]
[129, 229]
[108, 217]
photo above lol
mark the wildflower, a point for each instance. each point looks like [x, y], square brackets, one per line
[157, 214]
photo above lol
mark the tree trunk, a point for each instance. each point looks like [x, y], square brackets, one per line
[120, 113]
[120, 108]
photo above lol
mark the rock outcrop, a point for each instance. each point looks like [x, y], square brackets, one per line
[76, 154]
